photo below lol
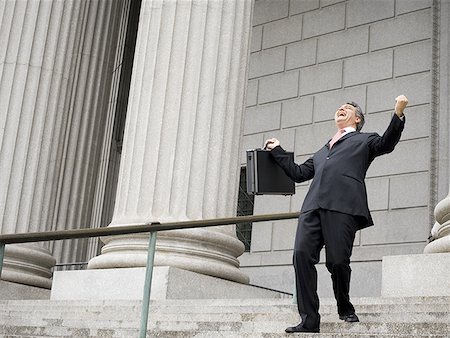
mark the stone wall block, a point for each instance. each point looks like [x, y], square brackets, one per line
[297, 112]
[263, 237]
[313, 137]
[416, 87]
[301, 6]
[365, 11]
[405, 6]
[300, 193]
[269, 10]
[409, 191]
[283, 234]
[301, 54]
[278, 87]
[343, 44]
[266, 62]
[282, 31]
[368, 68]
[285, 136]
[418, 123]
[324, 77]
[325, 3]
[256, 40]
[412, 59]
[262, 118]
[252, 93]
[395, 227]
[408, 157]
[326, 20]
[401, 30]
[378, 193]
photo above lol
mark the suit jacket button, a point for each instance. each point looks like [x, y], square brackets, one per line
[328, 158]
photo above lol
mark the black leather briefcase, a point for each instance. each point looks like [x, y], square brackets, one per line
[265, 176]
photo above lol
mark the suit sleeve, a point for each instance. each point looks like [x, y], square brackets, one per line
[380, 145]
[298, 173]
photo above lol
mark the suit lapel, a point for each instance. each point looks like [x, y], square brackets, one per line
[346, 136]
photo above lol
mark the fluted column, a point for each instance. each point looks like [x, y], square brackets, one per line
[34, 38]
[180, 158]
[88, 121]
[44, 51]
[441, 242]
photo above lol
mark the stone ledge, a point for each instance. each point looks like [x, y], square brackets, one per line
[416, 275]
[168, 283]
[15, 291]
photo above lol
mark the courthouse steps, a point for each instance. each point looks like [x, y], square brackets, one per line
[380, 317]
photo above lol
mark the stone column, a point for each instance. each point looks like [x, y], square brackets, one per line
[48, 48]
[88, 121]
[441, 230]
[34, 38]
[180, 157]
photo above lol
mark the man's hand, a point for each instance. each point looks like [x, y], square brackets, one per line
[271, 143]
[400, 104]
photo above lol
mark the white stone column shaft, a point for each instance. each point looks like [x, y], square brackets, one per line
[31, 80]
[40, 71]
[86, 105]
[180, 157]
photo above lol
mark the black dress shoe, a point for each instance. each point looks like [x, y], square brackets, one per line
[351, 318]
[301, 328]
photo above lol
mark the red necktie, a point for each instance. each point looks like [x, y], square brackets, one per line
[336, 137]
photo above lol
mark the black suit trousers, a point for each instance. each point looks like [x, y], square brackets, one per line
[336, 231]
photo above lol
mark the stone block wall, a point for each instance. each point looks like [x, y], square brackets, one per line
[307, 58]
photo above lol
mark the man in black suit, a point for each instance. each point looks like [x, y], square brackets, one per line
[335, 206]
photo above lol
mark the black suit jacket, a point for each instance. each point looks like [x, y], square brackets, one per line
[338, 174]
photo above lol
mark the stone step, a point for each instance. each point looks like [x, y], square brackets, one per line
[264, 306]
[16, 317]
[209, 334]
[194, 334]
[231, 330]
[222, 302]
[384, 318]
[267, 323]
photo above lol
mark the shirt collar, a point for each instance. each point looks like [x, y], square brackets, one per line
[348, 130]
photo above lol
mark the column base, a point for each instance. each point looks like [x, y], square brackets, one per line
[440, 245]
[28, 264]
[167, 283]
[203, 251]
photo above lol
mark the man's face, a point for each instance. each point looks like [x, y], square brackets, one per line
[346, 116]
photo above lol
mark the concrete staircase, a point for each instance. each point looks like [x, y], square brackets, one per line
[380, 317]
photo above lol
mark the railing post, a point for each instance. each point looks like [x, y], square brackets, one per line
[294, 293]
[148, 284]
[2, 256]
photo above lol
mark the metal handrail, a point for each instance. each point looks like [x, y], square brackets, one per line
[150, 227]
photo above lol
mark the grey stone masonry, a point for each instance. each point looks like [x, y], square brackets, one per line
[396, 317]
[310, 56]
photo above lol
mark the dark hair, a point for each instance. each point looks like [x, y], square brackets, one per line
[359, 113]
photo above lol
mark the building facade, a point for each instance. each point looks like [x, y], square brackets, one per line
[309, 57]
[123, 112]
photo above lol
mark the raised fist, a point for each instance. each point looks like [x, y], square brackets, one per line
[400, 103]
